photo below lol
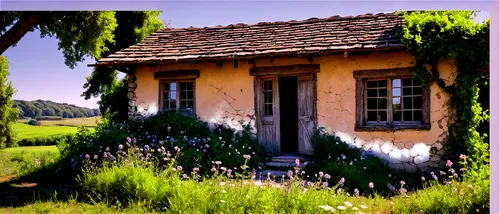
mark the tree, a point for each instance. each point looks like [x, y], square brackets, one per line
[132, 28]
[8, 114]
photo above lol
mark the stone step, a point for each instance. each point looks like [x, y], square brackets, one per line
[281, 165]
[288, 159]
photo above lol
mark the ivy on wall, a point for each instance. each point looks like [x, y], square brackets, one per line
[435, 36]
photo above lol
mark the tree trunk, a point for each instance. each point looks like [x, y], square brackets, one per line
[27, 21]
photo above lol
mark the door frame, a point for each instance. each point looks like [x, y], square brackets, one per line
[266, 72]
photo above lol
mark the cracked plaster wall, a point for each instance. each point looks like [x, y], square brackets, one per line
[226, 95]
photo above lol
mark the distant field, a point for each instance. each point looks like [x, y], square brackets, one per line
[75, 122]
[25, 131]
[31, 149]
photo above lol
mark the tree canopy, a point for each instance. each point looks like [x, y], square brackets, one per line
[43, 108]
[8, 114]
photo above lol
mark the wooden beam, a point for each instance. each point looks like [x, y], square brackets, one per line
[177, 74]
[285, 70]
[382, 73]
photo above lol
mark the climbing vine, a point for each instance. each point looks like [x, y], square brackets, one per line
[435, 36]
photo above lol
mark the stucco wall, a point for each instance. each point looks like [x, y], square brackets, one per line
[225, 95]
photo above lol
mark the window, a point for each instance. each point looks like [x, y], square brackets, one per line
[268, 97]
[390, 99]
[178, 96]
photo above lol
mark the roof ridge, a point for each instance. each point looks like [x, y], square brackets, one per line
[306, 21]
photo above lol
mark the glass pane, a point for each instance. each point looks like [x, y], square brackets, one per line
[183, 95]
[396, 92]
[416, 82]
[371, 84]
[417, 91]
[183, 105]
[372, 116]
[372, 93]
[407, 103]
[372, 103]
[173, 86]
[382, 92]
[268, 85]
[166, 86]
[190, 95]
[407, 115]
[396, 83]
[382, 83]
[417, 102]
[382, 103]
[173, 95]
[396, 104]
[186, 85]
[417, 115]
[407, 82]
[406, 91]
[165, 96]
[383, 115]
[190, 104]
[397, 115]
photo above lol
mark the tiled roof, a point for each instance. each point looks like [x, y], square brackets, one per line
[333, 34]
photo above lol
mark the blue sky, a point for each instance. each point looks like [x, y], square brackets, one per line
[37, 66]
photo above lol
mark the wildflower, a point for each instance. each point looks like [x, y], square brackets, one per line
[354, 208]
[129, 140]
[177, 149]
[107, 149]
[196, 169]
[342, 180]
[214, 170]
[229, 172]
[246, 157]
[356, 192]
[222, 201]
[455, 175]
[147, 148]
[462, 169]
[327, 208]
[120, 147]
[389, 175]
[218, 162]
[463, 157]
[434, 177]
[452, 171]
[442, 173]
[341, 207]
[449, 163]
[363, 206]
[223, 168]
[327, 176]
[297, 162]
[248, 196]
[290, 173]
[402, 183]
[87, 156]
[310, 183]
[223, 191]
[325, 184]
[320, 174]
[179, 168]
[220, 138]
[95, 157]
[423, 178]
[371, 185]
[347, 203]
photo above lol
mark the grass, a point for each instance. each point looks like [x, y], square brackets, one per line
[30, 149]
[67, 207]
[9, 157]
[75, 122]
[25, 131]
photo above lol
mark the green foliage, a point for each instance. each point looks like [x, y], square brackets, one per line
[8, 114]
[432, 37]
[133, 26]
[34, 122]
[48, 110]
[30, 162]
[341, 160]
[46, 140]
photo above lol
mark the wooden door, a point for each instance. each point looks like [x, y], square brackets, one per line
[267, 114]
[306, 98]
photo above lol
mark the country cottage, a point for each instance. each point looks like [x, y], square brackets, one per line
[286, 79]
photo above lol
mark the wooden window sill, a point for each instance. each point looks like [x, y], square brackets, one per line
[369, 128]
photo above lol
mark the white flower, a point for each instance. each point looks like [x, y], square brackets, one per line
[363, 206]
[327, 208]
[354, 208]
[341, 207]
[248, 196]
[222, 201]
[347, 203]
[223, 191]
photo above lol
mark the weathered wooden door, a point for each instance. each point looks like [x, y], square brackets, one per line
[267, 113]
[306, 98]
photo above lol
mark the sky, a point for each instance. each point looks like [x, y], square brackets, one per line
[37, 68]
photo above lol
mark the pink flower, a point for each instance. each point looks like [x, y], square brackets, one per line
[297, 161]
[449, 163]
[371, 185]
[442, 173]
[452, 171]
[290, 173]
[246, 157]
[196, 169]
[327, 176]
[356, 192]
[129, 140]
[87, 156]
[463, 157]
[342, 180]
[223, 168]
[120, 147]
[402, 183]
[213, 169]
[218, 162]
[320, 174]
[179, 168]
[184, 176]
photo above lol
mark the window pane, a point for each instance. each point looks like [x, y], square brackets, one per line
[417, 102]
[407, 116]
[417, 115]
[190, 104]
[397, 115]
[396, 92]
[182, 105]
[416, 82]
[407, 82]
[382, 92]
[383, 115]
[396, 83]
[372, 103]
[173, 86]
[372, 116]
[173, 95]
[417, 91]
[382, 83]
[371, 84]
[268, 85]
[382, 103]
[186, 85]
[407, 103]
[372, 93]
[183, 95]
[190, 95]
[406, 91]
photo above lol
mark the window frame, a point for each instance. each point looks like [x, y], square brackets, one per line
[177, 77]
[362, 77]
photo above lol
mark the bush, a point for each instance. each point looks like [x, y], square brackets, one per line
[46, 140]
[34, 122]
[341, 160]
[30, 162]
[157, 135]
[49, 118]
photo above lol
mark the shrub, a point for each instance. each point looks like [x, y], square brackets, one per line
[166, 132]
[30, 162]
[46, 140]
[34, 122]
